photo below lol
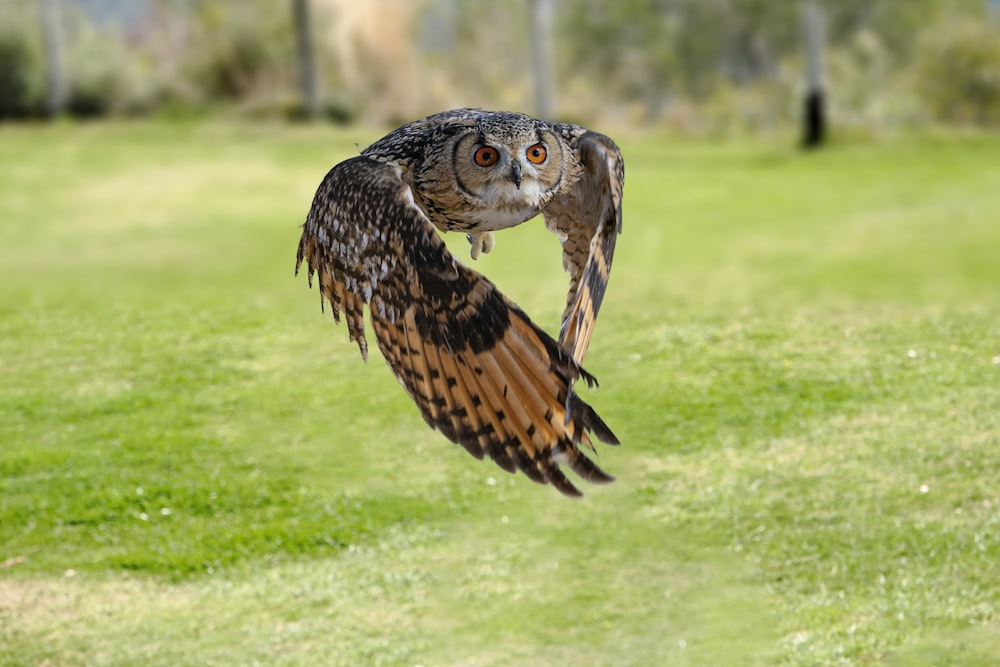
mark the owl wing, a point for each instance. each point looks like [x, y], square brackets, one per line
[475, 364]
[588, 218]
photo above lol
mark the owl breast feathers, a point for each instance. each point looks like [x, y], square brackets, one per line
[475, 364]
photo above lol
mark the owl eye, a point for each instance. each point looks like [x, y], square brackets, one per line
[485, 156]
[536, 154]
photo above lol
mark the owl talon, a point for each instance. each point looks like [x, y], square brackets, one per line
[480, 242]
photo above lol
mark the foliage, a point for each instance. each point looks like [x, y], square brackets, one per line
[246, 44]
[720, 65]
[20, 89]
[486, 50]
[799, 354]
[959, 72]
[178, 54]
[95, 73]
[667, 55]
[651, 47]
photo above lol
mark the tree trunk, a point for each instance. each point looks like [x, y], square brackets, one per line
[51, 40]
[307, 64]
[541, 41]
[814, 107]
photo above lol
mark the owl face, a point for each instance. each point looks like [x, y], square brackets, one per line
[497, 170]
[505, 168]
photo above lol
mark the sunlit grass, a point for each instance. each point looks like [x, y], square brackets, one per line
[799, 352]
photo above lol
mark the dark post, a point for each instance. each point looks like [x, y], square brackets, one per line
[814, 111]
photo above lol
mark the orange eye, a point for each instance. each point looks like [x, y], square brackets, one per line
[536, 154]
[486, 156]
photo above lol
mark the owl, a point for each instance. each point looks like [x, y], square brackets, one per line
[478, 368]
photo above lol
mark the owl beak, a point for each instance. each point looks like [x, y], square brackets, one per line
[515, 173]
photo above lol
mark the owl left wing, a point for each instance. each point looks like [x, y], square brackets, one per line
[587, 217]
[477, 367]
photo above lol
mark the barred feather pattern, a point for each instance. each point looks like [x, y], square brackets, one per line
[588, 219]
[477, 367]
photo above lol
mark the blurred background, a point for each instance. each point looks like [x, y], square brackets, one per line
[693, 65]
[799, 350]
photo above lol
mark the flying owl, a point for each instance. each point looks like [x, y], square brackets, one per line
[475, 364]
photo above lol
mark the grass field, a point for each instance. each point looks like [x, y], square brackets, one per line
[800, 354]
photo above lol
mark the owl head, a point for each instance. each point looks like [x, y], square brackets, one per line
[493, 170]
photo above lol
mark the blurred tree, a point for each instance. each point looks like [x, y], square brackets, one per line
[52, 36]
[490, 62]
[17, 97]
[701, 64]
[541, 50]
[246, 49]
[959, 72]
[658, 51]
[653, 50]
[307, 64]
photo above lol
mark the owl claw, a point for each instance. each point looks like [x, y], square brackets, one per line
[481, 242]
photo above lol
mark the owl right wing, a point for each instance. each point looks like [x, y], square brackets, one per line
[477, 367]
[588, 218]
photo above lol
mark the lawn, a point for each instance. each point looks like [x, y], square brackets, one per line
[799, 352]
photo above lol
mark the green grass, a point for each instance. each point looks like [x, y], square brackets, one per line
[800, 354]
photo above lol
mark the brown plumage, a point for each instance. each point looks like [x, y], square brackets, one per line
[477, 367]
